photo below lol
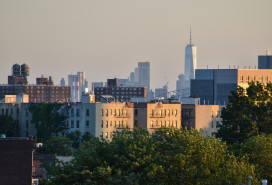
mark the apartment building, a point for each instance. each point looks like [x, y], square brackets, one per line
[152, 116]
[205, 117]
[21, 114]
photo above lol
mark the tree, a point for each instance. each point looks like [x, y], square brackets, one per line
[47, 119]
[169, 156]
[259, 151]
[87, 136]
[58, 146]
[248, 113]
[75, 138]
[9, 126]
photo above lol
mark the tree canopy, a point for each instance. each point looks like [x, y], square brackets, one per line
[9, 126]
[47, 119]
[59, 146]
[168, 156]
[249, 113]
[259, 151]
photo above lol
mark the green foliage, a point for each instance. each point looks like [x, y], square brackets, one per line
[259, 151]
[47, 120]
[169, 156]
[87, 136]
[9, 126]
[248, 113]
[58, 146]
[75, 138]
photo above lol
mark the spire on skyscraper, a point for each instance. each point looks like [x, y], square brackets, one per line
[190, 36]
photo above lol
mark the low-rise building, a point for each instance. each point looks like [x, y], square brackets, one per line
[152, 116]
[16, 161]
[205, 117]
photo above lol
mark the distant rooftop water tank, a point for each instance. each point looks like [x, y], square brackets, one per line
[24, 70]
[16, 70]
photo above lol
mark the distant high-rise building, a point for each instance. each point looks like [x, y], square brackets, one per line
[190, 60]
[62, 82]
[78, 84]
[183, 83]
[161, 92]
[265, 61]
[144, 74]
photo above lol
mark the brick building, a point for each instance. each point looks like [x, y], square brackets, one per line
[121, 94]
[16, 161]
[44, 90]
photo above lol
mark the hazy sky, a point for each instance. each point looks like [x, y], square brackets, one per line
[107, 38]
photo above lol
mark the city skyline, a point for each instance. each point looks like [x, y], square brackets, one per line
[106, 39]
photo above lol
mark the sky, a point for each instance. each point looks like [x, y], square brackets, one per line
[107, 38]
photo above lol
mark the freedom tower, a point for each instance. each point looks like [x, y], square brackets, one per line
[190, 60]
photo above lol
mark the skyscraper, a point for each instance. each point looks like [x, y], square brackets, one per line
[144, 74]
[78, 84]
[190, 60]
[183, 84]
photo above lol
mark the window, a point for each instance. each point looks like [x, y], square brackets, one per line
[168, 123]
[27, 111]
[247, 78]
[176, 124]
[72, 112]
[114, 124]
[122, 123]
[107, 124]
[106, 135]
[217, 124]
[11, 111]
[176, 112]
[161, 123]
[26, 123]
[7, 111]
[212, 113]
[87, 124]
[77, 124]
[156, 123]
[241, 78]
[151, 123]
[78, 113]
[101, 124]
[260, 78]
[107, 112]
[111, 112]
[119, 124]
[72, 124]
[160, 112]
[3, 111]
[87, 112]
[101, 112]
[135, 112]
[101, 134]
[136, 123]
